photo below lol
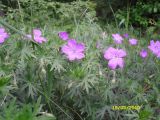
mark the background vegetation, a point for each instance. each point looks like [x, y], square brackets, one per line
[38, 82]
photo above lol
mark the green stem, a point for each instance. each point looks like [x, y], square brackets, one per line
[20, 11]
[44, 91]
[114, 76]
[128, 13]
[113, 14]
[56, 105]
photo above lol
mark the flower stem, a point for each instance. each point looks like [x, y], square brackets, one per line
[114, 76]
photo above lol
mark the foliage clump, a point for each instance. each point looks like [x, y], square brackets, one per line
[56, 62]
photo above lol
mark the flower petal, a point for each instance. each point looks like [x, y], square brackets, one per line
[80, 47]
[80, 55]
[2, 30]
[38, 39]
[37, 32]
[72, 43]
[1, 40]
[121, 53]
[65, 49]
[143, 53]
[133, 41]
[120, 62]
[63, 35]
[117, 38]
[109, 53]
[71, 57]
[114, 63]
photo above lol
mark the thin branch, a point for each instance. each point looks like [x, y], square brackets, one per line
[3, 100]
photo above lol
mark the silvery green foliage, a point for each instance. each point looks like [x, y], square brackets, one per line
[27, 112]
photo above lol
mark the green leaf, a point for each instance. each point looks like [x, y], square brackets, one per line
[4, 81]
[144, 115]
[155, 10]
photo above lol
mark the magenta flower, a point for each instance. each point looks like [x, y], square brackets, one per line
[126, 35]
[73, 50]
[155, 47]
[133, 41]
[37, 32]
[37, 36]
[3, 35]
[143, 53]
[115, 57]
[63, 35]
[117, 38]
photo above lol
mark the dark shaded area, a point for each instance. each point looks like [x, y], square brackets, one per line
[143, 13]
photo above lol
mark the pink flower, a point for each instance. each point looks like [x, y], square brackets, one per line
[126, 35]
[73, 50]
[116, 62]
[37, 36]
[133, 41]
[3, 35]
[143, 53]
[63, 35]
[37, 32]
[115, 57]
[117, 38]
[155, 47]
